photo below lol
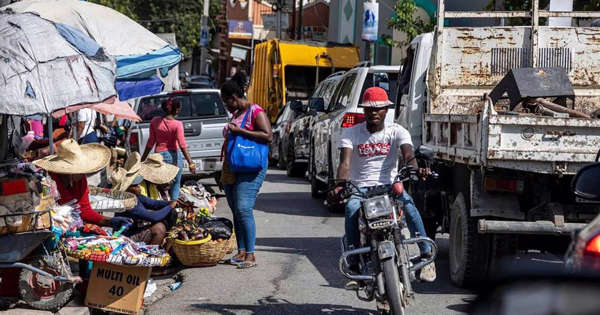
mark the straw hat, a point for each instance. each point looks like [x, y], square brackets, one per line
[124, 176]
[72, 158]
[156, 171]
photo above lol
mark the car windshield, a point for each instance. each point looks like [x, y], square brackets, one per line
[192, 105]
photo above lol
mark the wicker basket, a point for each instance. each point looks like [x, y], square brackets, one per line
[127, 199]
[232, 244]
[204, 252]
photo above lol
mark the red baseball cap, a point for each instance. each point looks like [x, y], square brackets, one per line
[375, 97]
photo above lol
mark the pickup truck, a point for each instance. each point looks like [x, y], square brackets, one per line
[509, 113]
[203, 116]
[343, 112]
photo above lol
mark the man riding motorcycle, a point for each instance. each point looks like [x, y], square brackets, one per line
[369, 158]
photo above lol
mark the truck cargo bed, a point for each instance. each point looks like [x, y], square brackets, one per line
[523, 142]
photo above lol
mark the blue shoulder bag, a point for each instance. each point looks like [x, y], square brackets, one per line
[245, 155]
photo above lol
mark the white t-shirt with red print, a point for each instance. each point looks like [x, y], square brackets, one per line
[374, 155]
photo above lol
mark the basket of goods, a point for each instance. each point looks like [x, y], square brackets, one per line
[201, 240]
[116, 250]
[106, 200]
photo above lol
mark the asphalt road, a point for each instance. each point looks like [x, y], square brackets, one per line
[298, 245]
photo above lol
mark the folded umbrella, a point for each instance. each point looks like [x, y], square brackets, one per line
[112, 106]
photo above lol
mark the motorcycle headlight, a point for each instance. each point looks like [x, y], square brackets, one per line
[377, 207]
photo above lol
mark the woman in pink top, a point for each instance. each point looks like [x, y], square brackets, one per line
[166, 133]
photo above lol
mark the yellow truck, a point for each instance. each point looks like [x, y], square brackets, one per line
[286, 70]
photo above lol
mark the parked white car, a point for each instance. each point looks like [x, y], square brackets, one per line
[343, 112]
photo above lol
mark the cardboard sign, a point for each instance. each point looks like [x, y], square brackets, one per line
[117, 288]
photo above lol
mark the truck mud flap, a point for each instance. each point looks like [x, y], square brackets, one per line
[520, 227]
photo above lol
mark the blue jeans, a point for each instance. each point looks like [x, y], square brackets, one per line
[174, 158]
[241, 198]
[413, 220]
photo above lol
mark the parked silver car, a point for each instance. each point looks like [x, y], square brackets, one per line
[203, 116]
[300, 132]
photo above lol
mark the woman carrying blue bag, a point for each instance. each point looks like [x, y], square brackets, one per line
[244, 167]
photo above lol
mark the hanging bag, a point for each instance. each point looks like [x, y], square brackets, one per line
[245, 155]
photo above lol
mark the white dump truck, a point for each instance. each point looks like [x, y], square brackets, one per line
[510, 112]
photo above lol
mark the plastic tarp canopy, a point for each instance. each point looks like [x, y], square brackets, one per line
[146, 65]
[42, 72]
[138, 49]
[137, 88]
[117, 33]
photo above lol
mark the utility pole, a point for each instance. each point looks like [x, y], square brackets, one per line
[292, 29]
[300, 34]
[278, 17]
[204, 36]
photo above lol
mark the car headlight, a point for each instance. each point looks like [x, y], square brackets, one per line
[377, 206]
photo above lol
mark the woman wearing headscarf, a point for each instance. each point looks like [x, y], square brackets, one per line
[242, 189]
[167, 138]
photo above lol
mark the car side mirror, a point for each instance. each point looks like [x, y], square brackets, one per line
[296, 106]
[586, 184]
[424, 152]
[317, 104]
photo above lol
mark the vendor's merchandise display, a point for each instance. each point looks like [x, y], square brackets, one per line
[67, 218]
[199, 197]
[116, 250]
[200, 240]
[106, 200]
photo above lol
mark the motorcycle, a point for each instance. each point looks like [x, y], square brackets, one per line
[45, 279]
[384, 262]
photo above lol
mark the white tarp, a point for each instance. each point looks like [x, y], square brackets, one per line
[41, 72]
[116, 33]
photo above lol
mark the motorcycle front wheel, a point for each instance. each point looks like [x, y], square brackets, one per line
[392, 287]
[43, 293]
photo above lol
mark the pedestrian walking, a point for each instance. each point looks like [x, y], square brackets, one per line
[241, 188]
[167, 139]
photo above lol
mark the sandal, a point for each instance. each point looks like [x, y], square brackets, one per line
[247, 264]
[234, 261]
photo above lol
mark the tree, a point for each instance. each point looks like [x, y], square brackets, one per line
[406, 21]
[182, 17]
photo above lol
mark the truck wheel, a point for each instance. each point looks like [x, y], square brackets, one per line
[43, 293]
[469, 251]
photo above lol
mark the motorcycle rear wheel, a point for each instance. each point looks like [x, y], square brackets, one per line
[42, 293]
[392, 287]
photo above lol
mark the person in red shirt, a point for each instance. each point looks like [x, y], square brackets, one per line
[68, 168]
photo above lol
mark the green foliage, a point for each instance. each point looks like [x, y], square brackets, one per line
[182, 17]
[405, 20]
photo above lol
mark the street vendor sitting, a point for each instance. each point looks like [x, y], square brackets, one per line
[150, 216]
[157, 176]
[68, 168]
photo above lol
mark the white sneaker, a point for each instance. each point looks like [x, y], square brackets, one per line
[428, 273]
